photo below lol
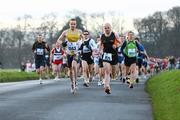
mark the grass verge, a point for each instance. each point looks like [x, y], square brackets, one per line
[164, 90]
[15, 75]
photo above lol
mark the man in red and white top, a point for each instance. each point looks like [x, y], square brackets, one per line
[56, 57]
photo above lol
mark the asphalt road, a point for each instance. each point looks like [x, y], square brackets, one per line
[53, 101]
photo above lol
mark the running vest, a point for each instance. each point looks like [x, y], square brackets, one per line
[108, 51]
[130, 49]
[72, 37]
[40, 49]
[108, 43]
[86, 47]
[57, 56]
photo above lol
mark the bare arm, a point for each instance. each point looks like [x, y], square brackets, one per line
[51, 56]
[101, 47]
[146, 54]
[34, 47]
[62, 37]
[118, 39]
[80, 34]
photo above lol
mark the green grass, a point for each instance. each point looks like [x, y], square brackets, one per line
[164, 89]
[15, 75]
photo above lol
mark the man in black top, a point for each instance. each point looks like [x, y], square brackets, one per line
[109, 41]
[39, 48]
[172, 62]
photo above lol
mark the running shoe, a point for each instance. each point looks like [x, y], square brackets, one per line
[124, 80]
[107, 90]
[128, 80]
[86, 84]
[137, 80]
[56, 78]
[99, 83]
[130, 85]
[73, 90]
[40, 80]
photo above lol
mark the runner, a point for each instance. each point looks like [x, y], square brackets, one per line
[47, 62]
[144, 68]
[79, 66]
[129, 49]
[56, 57]
[121, 61]
[87, 47]
[151, 64]
[109, 42]
[71, 39]
[142, 58]
[98, 72]
[52, 65]
[39, 48]
[64, 66]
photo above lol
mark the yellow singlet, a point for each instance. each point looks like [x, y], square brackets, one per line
[72, 37]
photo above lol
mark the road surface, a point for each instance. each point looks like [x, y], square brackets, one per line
[53, 101]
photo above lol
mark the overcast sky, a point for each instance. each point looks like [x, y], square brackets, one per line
[11, 9]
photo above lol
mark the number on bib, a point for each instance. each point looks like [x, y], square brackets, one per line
[86, 50]
[72, 47]
[57, 57]
[107, 56]
[132, 52]
[40, 51]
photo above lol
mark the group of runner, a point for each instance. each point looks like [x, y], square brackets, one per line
[108, 57]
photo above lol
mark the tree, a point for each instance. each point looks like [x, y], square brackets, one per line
[49, 27]
[174, 16]
[160, 32]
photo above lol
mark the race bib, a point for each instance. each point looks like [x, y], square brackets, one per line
[107, 56]
[40, 51]
[86, 50]
[132, 52]
[72, 48]
[57, 57]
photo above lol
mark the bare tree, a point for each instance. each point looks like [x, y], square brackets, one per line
[160, 32]
[49, 27]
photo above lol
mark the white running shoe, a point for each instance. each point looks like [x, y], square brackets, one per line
[73, 91]
[40, 80]
[81, 77]
[103, 82]
[56, 78]
[76, 86]
[99, 83]
[144, 77]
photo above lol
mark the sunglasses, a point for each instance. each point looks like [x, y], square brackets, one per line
[85, 34]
